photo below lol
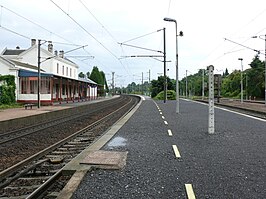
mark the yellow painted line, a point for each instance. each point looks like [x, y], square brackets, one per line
[177, 154]
[166, 122]
[163, 117]
[190, 192]
[170, 132]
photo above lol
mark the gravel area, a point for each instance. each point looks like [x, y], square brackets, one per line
[229, 164]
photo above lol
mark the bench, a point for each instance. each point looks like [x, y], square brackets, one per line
[29, 106]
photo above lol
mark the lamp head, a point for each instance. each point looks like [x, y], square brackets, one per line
[169, 19]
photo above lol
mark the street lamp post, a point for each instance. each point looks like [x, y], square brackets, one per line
[177, 86]
[241, 59]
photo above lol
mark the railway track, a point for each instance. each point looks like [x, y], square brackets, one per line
[253, 108]
[19, 133]
[35, 175]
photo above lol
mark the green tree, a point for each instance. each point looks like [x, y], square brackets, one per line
[88, 75]
[104, 81]
[231, 84]
[96, 76]
[158, 85]
[256, 80]
[194, 83]
[99, 77]
[226, 73]
[81, 75]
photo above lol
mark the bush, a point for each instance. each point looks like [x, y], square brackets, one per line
[170, 95]
[7, 89]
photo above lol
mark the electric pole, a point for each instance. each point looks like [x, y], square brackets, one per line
[39, 74]
[164, 64]
[113, 82]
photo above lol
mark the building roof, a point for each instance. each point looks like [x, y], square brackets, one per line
[25, 65]
[12, 51]
[87, 80]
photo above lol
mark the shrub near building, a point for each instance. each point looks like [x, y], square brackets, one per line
[7, 90]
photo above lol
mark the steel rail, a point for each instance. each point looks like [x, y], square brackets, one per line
[40, 190]
[48, 125]
[11, 170]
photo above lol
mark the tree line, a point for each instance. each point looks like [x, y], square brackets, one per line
[253, 83]
[99, 78]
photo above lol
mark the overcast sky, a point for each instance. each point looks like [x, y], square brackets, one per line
[100, 24]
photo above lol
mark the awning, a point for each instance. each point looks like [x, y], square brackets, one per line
[27, 73]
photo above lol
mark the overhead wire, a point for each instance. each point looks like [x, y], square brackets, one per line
[14, 32]
[40, 26]
[85, 30]
[76, 22]
[30, 21]
[109, 33]
[232, 49]
[141, 36]
[19, 15]
[98, 21]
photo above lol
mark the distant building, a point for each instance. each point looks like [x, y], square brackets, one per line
[59, 75]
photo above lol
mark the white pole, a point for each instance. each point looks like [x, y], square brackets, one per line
[241, 76]
[211, 100]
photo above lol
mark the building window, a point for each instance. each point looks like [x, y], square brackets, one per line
[57, 68]
[66, 71]
[33, 85]
[23, 85]
[45, 85]
[70, 71]
[63, 69]
[63, 89]
[29, 85]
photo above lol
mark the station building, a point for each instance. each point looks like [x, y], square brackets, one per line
[59, 81]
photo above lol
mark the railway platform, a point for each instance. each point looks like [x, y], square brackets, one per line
[171, 155]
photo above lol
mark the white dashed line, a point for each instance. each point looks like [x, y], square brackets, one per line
[166, 122]
[177, 154]
[190, 192]
[170, 132]
[163, 117]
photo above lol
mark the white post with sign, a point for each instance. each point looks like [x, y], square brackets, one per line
[211, 100]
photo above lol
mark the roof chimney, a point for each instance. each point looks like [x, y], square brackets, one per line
[33, 42]
[50, 47]
[55, 53]
[61, 53]
[17, 47]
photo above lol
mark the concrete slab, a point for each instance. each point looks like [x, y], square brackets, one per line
[106, 159]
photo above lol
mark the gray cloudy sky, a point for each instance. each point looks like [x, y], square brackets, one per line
[101, 24]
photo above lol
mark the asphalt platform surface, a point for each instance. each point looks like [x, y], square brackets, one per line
[228, 164]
